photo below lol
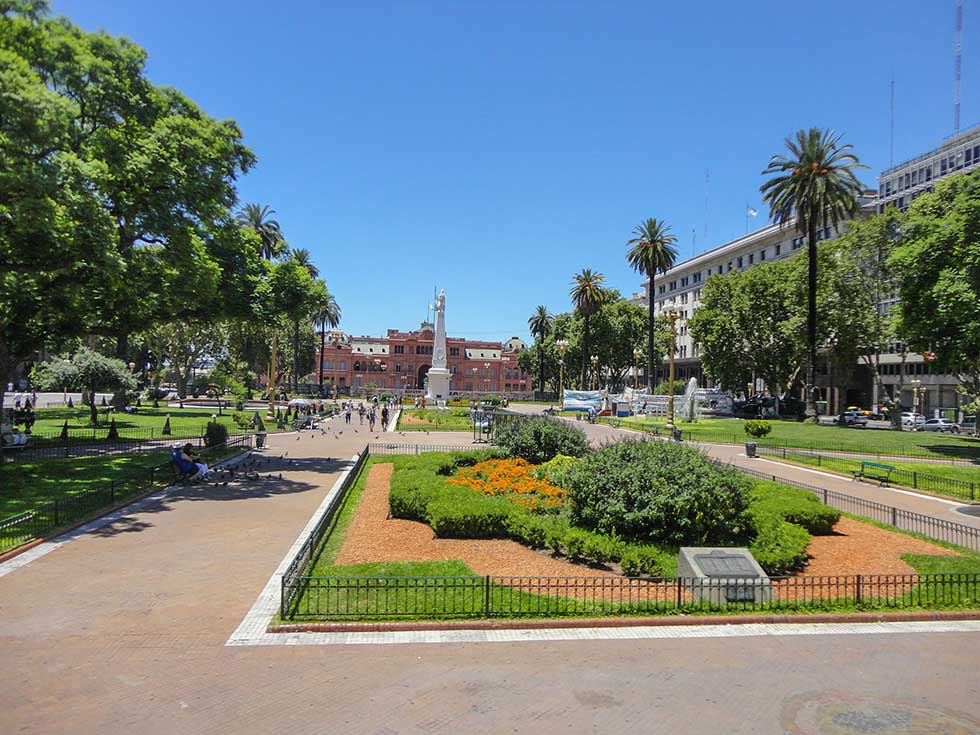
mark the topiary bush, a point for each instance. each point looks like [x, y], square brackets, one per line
[215, 434]
[658, 492]
[539, 439]
[639, 560]
[468, 515]
[757, 428]
[779, 546]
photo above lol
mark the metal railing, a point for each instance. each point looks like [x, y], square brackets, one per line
[509, 597]
[950, 453]
[293, 580]
[905, 520]
[388, 448]
[909, 478]
[74, 506]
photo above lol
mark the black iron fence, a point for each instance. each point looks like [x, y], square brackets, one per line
[906, 520]
[74, 506]
[950, 453]
[909, 478]
[510, 597]
[293, 581]
[387, 448]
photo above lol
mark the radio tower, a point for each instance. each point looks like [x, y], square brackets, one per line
[957, 48]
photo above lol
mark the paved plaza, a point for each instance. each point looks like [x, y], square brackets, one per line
[124, 629]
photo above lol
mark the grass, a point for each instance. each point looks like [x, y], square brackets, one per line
[450, 589]
[452, 419]
[950, 480]
[883, 442]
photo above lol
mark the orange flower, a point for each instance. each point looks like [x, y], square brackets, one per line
[511, 479]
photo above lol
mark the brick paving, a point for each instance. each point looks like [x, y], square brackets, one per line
[123, 630]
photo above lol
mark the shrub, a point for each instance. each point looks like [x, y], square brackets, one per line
[779, 546]
[639, 560]
[658, 492]
[215, 434]
[757, 428]
[556, 470]
[539, 439]
[794, 505]
[461, 515]
[242, 420]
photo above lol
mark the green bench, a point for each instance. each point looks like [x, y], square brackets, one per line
[874, 471]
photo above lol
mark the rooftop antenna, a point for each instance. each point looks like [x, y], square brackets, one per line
[957, 49]
[694, 241]
[891, 111]
[707, 180]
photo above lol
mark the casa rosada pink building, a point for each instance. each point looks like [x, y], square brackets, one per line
[401, 360]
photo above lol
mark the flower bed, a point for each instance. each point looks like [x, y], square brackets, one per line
[512, 479]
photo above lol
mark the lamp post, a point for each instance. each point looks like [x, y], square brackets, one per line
[673, 315]
[562, 345]
[486, 382]
[595, 372]
[504, 368]
[916, 385]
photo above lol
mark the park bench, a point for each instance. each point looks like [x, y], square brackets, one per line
[874, 471]
[180, 477]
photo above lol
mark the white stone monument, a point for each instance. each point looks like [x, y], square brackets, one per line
[439, 375]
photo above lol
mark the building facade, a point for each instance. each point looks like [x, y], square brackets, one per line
[921, 386]
[399, 361]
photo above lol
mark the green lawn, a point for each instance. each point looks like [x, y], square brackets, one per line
[429, 419]
[147, 424]
[447, 589]
[827, 438]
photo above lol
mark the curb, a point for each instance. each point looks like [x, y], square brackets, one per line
[553, 624]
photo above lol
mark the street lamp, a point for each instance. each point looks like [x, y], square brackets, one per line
[595, 372]
[637, 354]
[673, 315]
[562, 345]
[486, 366]
[915, 399]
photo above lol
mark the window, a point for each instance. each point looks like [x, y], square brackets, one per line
[729, 266]
[751, 258]
[662, 289]
[398, 367]
[928, 173]
[968, 157]
[673, 285]
[762, 255]
[778, 249]
[399, 349]
[739, 261]
[696, 278]
[684, 281]
[942, 166]
[683, 298]
[454, 351]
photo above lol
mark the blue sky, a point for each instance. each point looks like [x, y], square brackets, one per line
[496, 148]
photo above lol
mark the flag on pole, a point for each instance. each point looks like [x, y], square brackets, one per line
[751, 212]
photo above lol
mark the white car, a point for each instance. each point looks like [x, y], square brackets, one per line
[855, 418]
[914, 420]
[942, 425]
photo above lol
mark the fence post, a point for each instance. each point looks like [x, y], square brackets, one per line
[486, 596]
[857, 592]
[915, 480]
[894, 516]
[825, 496]
[679, 589]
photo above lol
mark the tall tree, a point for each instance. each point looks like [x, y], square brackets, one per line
[326, 317]
[258, 218]
[540, 325]
[651, 251]
[302, 256]
[588, 295]
[939, 262]
[815, 184]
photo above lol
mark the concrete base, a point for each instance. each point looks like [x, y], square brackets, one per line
[439, 380]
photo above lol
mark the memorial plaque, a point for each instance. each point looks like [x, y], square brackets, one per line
[722, 576]
[721, 563]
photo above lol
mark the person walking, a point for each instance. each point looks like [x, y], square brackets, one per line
[347, 412]
[384, 419]
[372, 417]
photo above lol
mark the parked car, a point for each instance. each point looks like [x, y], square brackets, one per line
[863, 411]
[913, 420]
[942, 425]
[854, 418]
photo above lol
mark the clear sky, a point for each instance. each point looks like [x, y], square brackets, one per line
[496, 148]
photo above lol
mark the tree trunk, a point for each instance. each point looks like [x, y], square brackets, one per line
[541, 367]
[811, 319]
[296, 356]
[651, 326]
[585, 354]
[273, 359]
[93, 411]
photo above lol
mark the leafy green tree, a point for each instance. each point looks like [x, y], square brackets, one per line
[939, 263]
[816, 185]
[540, 324]
[651, 251]
[85, 370]
[324, 318]
[717, 328]
[184, 345]
[588, 294]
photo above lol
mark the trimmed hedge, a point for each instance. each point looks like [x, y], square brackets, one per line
[539, 439]
[779, 546]
[794, 505]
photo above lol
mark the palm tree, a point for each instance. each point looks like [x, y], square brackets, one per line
[816, 184]
[540, 325]
[302, 257]
[651, 251]
[326, 317]
[271, 245]
[588, 294]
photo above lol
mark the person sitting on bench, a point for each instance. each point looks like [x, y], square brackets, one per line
[185, 462]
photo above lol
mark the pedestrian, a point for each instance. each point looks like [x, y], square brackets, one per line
[372, 417]
[347, 413]
[384, 419]
[18, 399]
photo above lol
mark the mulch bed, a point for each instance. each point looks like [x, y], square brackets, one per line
[853, 548]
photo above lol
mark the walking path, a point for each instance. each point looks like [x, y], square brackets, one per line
[124, 629]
